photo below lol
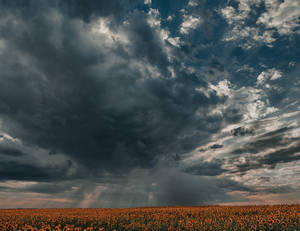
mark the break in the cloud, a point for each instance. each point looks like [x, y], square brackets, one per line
[116, 104]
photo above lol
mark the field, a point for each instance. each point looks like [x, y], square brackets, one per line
[277, 217]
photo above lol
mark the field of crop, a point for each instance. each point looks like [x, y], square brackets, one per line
[278, 217]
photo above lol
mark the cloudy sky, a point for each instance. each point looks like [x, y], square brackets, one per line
[143, 103]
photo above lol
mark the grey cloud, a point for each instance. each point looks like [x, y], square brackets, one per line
[184, 190]
[146, 43]
[161, 187]
[157, 187]
[279, 189]
[73, 8]
[205, 169]
[241, 131]
[277, 132]
[281, 155]
[86, 10]
[22, 170]
[40, 187]
[267, 140]
[48, 188]
[18, 171]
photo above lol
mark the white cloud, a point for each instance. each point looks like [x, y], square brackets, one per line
[271, 74]
[222, 88]
[251, 102]
[276, 75]
[248, 37]
[154, 20]
[189, 23]
[101, 31]
[174, 41]
[233, 16]
[147, 2]
[282, 16]
[154, 17]
[192, 3]
[169, 18]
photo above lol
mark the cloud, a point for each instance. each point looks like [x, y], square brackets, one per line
[37, 187]
[215, 146]
[271, 74]
[250, 26]
[189, 23]
[242, 131]
[11, 152]
[271, 159]
[281, 15]
[21, 161]
[87, 11]
[205, 169]
[253, 155]
[147, 2]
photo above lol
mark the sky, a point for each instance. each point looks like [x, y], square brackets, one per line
[149, 103]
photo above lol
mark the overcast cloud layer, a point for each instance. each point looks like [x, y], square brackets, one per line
[116, 104]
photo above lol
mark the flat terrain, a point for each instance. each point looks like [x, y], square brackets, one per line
[277, 217]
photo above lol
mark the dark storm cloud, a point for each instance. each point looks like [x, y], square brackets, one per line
[15, 170]
[61, 91]
[11, 152]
